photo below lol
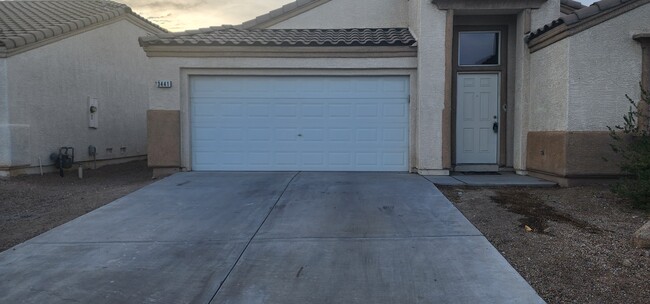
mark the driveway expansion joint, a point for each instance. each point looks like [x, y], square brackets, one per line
[253, 237]
[379, 238]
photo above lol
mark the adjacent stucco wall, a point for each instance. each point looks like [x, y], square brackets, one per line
[577, 89]
[604, 65]
[49, 89]
[549, 88]
[352, 14]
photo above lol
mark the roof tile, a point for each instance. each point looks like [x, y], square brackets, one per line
[607, 4]
[572, 4]
[597, 8]
[587, 11]
[232, 36]
[24, 22]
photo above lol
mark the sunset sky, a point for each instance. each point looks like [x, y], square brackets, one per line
[179, 15]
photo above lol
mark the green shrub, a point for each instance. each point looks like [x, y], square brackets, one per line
[632, 144]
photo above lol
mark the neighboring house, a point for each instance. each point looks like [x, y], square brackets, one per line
[57, 59]
[425, 86]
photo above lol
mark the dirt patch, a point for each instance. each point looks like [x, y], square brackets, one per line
[33, 204]
[536, 214]
[578, 248]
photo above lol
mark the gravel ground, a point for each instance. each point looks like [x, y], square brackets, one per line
[33, 204]
[572, 245]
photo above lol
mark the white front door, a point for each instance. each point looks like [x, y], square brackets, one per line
[281, 123]
[477, 117]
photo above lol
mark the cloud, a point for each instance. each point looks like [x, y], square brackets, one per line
[175, 5]
[177, 15]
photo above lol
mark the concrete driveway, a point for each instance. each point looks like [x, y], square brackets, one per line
[266, 238]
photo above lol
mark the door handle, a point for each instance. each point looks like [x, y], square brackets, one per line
[495, 127]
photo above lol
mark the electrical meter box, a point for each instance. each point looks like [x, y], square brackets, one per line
[93, 113]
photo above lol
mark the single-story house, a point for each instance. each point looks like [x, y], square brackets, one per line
[424, 86]
[71, 75]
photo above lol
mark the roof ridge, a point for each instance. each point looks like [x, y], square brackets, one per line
[51, 27]
[586, 13]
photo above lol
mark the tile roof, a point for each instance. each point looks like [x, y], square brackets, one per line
[26, 22]
[583, 14]
[233, 36]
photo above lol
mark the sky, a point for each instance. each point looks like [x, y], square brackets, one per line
[179, 15]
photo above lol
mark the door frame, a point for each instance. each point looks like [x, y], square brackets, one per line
[187, 73]
[502, 71]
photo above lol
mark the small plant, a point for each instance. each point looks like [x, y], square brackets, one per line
[632, 144]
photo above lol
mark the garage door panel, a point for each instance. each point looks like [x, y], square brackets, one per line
[299, 123]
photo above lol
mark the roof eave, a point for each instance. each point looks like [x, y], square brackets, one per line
[371, 51]
[559, 29]
[488, 5]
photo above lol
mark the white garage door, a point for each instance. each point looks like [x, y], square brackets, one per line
[303, 123]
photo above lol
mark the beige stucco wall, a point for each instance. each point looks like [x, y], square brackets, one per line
[352, 14]
[432, 24]
[521, 102]
[49, 87]
[549, 88]
[604, 65]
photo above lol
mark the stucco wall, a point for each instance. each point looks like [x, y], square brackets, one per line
[352, 14]
[548, 12]
[549, 88]
[49, 89]
[180, 69]
[167, 68]
[431, 85]
[521, 102]
[604, 65]
[414, 17]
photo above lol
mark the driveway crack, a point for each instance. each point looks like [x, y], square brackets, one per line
[253, 237]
